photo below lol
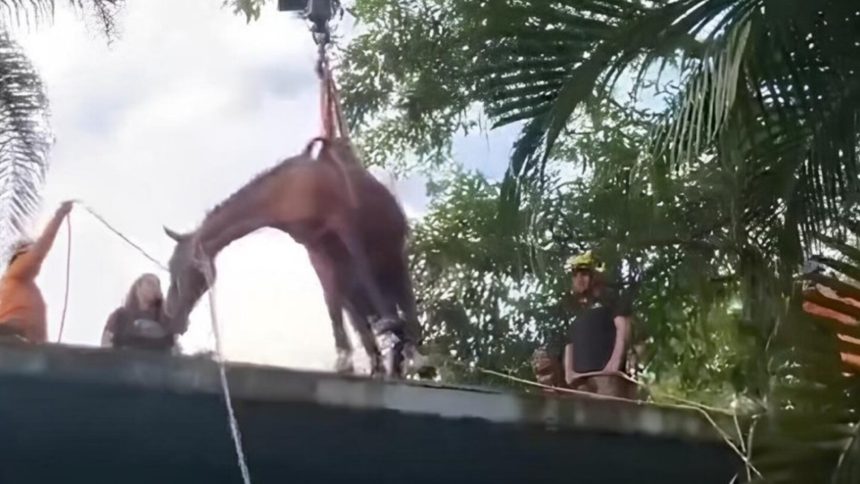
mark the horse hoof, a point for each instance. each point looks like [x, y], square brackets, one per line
[344, 365]
[377, 368]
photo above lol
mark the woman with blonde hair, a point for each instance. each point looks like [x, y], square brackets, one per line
[138, 322]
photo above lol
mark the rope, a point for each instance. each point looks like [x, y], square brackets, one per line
[68, 274]
[331, 116]
[206, 268]
[101, 219]
[683, 404]
[123, 237]
[333, 121]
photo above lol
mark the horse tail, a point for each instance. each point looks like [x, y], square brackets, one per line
[338, 161]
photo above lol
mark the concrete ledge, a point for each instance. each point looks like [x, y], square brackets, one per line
[119, 399]
[189, 375]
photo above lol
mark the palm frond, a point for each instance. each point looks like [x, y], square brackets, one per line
[586, 51]
[783, 72]
[24, 139]
[707, 102]
[25, 12]
[32, 13]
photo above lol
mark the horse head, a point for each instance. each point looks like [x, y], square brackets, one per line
[188, 281]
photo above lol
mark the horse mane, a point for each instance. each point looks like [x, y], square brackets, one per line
[253, 184]
[285, 164]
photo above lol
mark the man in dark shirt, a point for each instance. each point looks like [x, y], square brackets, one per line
[597, 337]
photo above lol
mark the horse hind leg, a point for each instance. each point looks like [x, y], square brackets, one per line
[389, 362]
[413, 360]
[386, 309]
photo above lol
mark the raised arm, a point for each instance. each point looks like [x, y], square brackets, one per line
[28, 264]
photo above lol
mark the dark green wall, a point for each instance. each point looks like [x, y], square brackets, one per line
[61, 432]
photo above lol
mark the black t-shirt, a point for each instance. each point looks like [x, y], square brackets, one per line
[591, 329]
[121, 323]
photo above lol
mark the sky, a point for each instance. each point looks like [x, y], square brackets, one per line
[187, 105]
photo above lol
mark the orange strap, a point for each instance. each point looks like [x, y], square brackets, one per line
[333, 124]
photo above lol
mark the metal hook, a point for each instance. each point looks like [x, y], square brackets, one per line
[318, 12]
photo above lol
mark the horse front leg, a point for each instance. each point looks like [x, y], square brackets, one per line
[332, 293]
[343, 347]
[361, 325]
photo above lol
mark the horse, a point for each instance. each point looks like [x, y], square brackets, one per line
[321, 203]
[384, 233]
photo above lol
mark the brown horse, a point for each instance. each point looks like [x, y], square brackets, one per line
[384, 233]
[334, 208]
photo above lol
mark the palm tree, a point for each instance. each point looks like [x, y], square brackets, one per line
[24, 130]
[768, 87]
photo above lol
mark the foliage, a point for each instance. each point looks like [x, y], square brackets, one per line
[405, 80]
[251, 9]
[764, 84]
[810, 433]
[491, 296]
[740, 63]
[24, 130]
[751, 152]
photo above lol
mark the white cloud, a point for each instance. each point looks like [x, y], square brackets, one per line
[188, 105]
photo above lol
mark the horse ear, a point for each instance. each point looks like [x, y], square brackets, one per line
[173, 235]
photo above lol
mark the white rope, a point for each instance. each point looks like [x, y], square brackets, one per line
[206, 267]
[121, 235]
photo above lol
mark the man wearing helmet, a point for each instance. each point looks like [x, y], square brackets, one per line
[599, 329]
[596, 339]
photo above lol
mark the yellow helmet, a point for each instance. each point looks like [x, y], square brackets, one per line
[586, 260]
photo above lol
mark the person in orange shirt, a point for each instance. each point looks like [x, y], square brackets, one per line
[22, 308]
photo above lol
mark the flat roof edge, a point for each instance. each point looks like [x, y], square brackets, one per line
[199, 375]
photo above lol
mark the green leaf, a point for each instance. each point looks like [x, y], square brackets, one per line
[24, 139]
